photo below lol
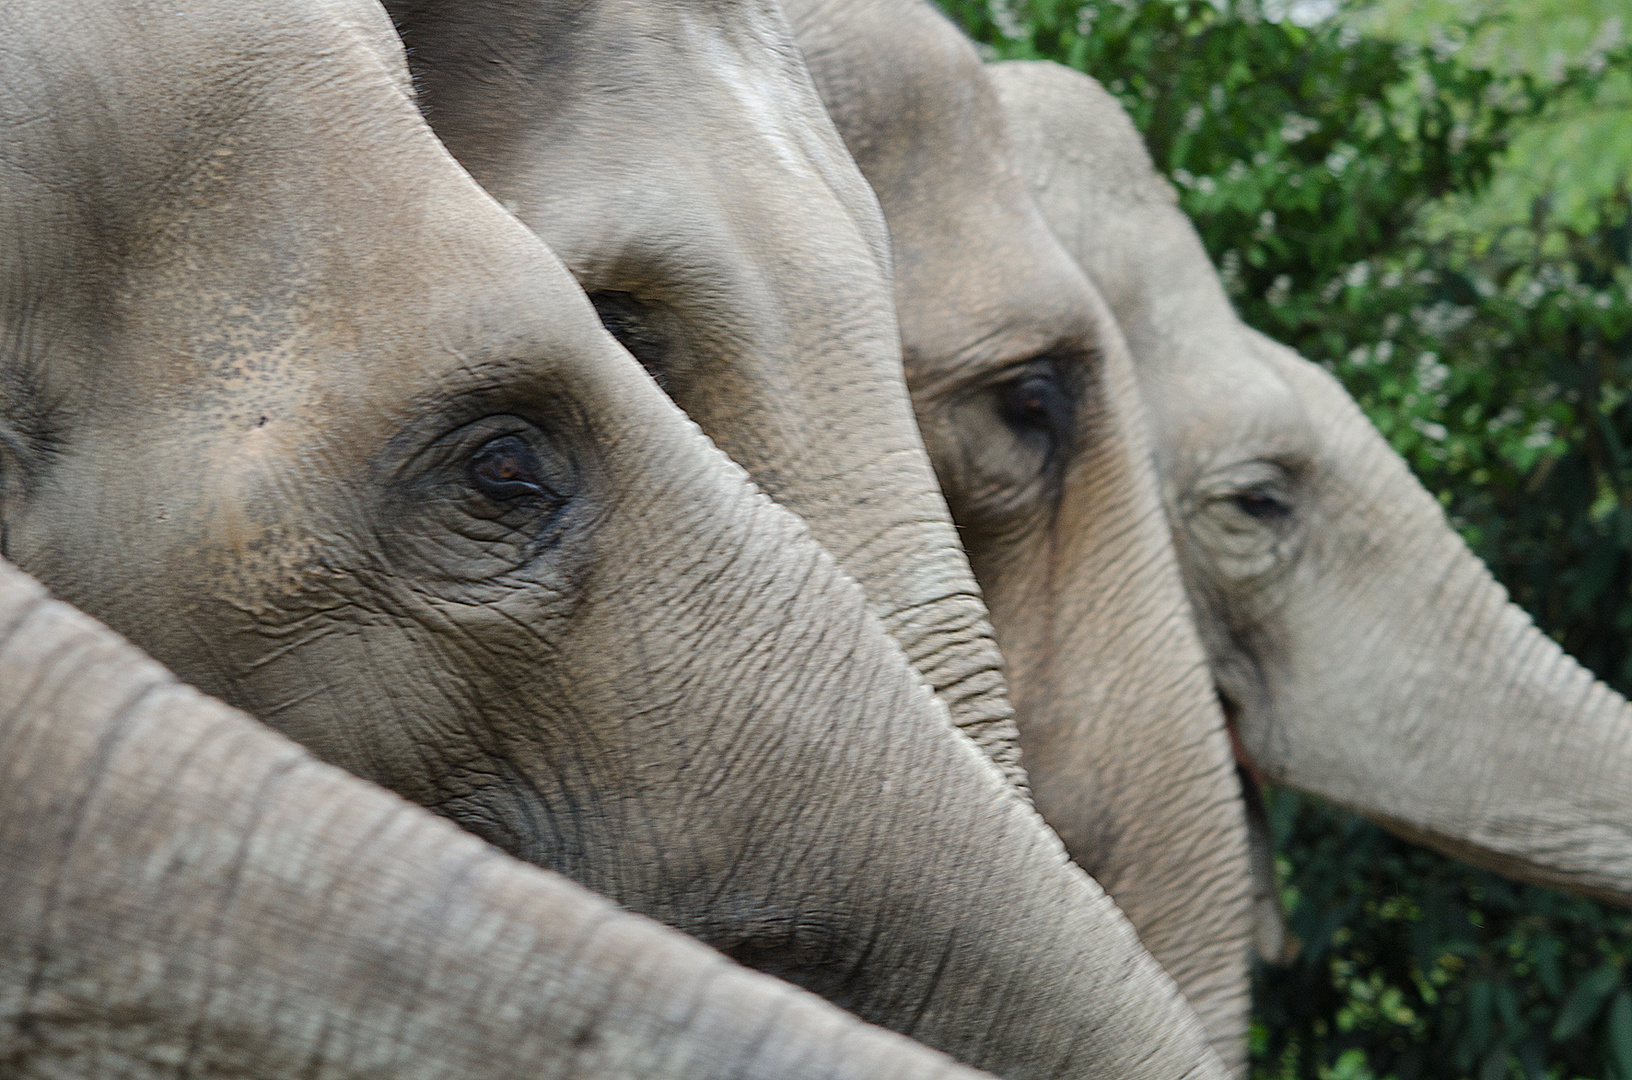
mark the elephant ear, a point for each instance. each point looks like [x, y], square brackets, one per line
[185, 890]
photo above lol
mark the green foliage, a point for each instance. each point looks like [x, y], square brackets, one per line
[1571, 159]
[1324, 166]
[1414, 965]
[1504, 378]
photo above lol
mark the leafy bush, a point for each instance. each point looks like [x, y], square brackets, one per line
[1318, 163]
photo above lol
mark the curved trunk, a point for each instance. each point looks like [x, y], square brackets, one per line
[1450, 717]
[948, 637]
[186, 890]
[947, 910]
[1272, 939]
[1393, 674]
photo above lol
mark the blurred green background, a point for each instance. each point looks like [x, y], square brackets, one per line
[1429, 197]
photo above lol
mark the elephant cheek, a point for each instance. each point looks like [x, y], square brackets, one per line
[1128, 752]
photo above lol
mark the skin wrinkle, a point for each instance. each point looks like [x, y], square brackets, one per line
[426, 926]
[899, 536]
[1121, 545]
[786, 352]
[191, 751]
[1113, 832]
[371, 838]
[585, 943]
[934, 981]
[802, 645]
[908, 96]
[859, 964]
[1382, 667]
[956, 690]
[583, 1040]
[193, 1051]
[74, 821]
[299, 637]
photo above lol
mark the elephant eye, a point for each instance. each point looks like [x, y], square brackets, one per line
[632, 323]
[507, 469]
[1262, 505]
[1036, 406]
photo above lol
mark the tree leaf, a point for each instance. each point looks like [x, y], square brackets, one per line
[1586, 1000]
[1619, 1030]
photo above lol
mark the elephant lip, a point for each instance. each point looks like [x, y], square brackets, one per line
[1248, 767]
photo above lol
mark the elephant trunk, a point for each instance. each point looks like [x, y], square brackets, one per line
[949, 641]
[882, 861]
[1549, 796]
[1417, 693]
[1122, 734]
[186, 890]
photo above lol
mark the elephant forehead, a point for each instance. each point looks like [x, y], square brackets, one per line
[717, 184]
[200, 365]
[974, 295]
[763, 99]
[358, 318]
[1224, 407]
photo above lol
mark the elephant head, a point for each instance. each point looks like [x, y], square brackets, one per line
[183, 888]
[1027, 404]
[292, 403]
[676, 157]
[1364, 652]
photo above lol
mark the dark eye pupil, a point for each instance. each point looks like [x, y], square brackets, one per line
[1258, 505]
[1037, 404]
[507, 468]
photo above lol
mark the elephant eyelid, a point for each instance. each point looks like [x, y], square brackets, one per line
[502, 458]
[1262, 489]
[507, 469]
[1057, 361]
[479, 402]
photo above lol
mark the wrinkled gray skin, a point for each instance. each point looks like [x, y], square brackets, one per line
[348, 933]
[674, 154]
[1027, 404]
[289, 401]
[1365, 654]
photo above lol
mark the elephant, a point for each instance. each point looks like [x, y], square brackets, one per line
[1362, 651]
[186, 890]
[584, 123]
[676, 157]
[1026, 399]
[1355, 647]
[295, 406]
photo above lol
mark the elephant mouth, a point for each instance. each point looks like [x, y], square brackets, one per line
[1272, 938]
[1249, 770]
